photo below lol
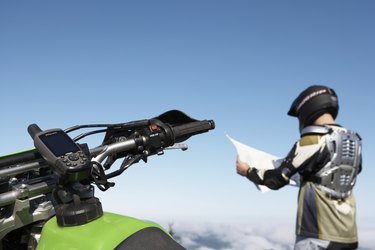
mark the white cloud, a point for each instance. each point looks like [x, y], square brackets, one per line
[366, 237]
[247, 236]
[218, 236]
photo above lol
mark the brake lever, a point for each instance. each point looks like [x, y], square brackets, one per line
[182, 146]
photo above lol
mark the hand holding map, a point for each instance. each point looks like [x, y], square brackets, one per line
[260, 160]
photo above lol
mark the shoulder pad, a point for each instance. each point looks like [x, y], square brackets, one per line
[315, 129]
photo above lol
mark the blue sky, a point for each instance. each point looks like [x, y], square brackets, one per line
[240, 63]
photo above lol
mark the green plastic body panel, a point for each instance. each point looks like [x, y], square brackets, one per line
[106, 232]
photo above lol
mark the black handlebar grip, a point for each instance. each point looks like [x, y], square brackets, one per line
[33, 129]
[184, 131]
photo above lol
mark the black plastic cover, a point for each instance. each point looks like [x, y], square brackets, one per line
[150, 238]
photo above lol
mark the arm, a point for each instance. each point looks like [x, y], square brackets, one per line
[301, 157]
[273, 178]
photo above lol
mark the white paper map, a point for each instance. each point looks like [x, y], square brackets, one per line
[260, 160]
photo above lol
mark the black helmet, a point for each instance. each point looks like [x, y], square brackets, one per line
[312, 103]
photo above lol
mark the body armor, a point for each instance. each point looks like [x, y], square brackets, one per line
[337, 177]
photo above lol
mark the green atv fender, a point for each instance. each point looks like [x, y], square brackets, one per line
[106, 232]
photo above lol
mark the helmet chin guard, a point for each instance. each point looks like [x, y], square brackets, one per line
[312, 103]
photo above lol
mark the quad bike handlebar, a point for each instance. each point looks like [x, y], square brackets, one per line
[69, 194]
[155, 142]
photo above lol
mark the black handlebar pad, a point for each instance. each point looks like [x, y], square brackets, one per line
[184, 131]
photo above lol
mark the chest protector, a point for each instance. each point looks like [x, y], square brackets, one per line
[337, 177]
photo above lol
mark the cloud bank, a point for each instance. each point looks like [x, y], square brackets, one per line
[243, 236]
[217, 236]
